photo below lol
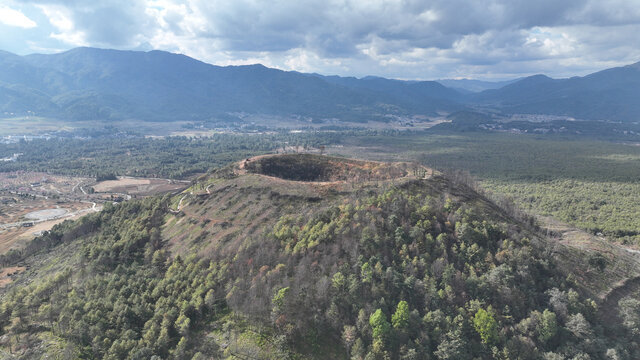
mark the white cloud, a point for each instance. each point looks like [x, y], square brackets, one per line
[61, 18]
[12, 17]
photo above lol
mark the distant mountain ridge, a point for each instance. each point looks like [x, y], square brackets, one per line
[88, 83]
[100, 84]
[472, 86]
[612, 94]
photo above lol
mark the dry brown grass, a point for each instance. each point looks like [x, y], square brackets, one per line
[137, 186]
[120, 185]
[7, 273]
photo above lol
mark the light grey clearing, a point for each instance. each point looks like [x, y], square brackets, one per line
[45, 214]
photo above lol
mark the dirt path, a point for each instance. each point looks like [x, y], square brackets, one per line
[180, 204]
[618, 279]
[73, 189]
[170, 181]
[608, 309]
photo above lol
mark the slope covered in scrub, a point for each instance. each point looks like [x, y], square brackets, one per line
[415, 265]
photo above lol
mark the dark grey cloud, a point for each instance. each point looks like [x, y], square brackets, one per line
[113, 24]
[399, 38]
[337, 28]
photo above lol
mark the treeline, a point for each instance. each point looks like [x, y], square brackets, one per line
[106, 176]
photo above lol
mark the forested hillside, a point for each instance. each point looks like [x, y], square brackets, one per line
[103, 84]
[90, 84]
[610, 94]
[377, 261]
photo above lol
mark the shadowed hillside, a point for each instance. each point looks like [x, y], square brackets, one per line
[101, 84]
[605, 95]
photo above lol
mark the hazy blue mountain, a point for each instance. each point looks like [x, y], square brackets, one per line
[411, 91]
[24, 87]
[89, 83]
[472, 86]
[612, 94]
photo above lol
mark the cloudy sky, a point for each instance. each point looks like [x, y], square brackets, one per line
[427, 39]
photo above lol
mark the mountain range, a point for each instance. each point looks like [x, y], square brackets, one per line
[469, 86]
[610, 94]
[101, 84]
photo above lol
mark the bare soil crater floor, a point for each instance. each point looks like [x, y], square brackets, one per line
[318, 168]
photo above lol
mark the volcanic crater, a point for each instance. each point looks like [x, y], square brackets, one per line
[318, 168]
